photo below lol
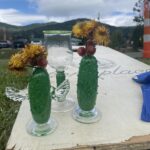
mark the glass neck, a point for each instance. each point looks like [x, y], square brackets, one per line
[60, 77]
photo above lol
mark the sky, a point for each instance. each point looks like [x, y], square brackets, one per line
[24, 12]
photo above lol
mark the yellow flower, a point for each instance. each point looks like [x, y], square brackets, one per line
[91, 29]
[27, 55]
[30, 51]
[17, 62]
[89, 26]
[78, 31]
[101, 35]
[82, 29]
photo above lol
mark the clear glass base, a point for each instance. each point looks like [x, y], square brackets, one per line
[41, 129]
[64, 106]
[86, 116]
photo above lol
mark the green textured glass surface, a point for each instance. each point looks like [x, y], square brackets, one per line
[87, 84]
[60, 77]
[39, 95]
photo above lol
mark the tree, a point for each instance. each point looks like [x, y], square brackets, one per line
[137, 37]
[117, 40]
[138, 32]
[138, 10]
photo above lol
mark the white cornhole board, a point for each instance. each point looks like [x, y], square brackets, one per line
[119, 100]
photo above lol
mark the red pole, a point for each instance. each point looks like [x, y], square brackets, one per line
[146, 28]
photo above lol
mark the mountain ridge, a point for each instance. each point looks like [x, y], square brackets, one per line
[36, 30]
[35, 25]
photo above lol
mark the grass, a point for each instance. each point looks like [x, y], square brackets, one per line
[145, 60]
[8, 108]
[5, 53]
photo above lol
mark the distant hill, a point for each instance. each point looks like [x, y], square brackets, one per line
[8, 27]
[42, 26]
[27, 27]
[36, 30]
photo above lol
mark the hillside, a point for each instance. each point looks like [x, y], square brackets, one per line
[118, 35]
[42, 26]
[8, 27]
[38, 28]
[27, 27]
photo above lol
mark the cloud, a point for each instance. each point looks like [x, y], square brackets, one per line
[66, 8]
[70, 9]
[15, 17]
[113, 12]
[119, 20]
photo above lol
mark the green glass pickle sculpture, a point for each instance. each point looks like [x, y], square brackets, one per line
[39, 95]
[87, 84]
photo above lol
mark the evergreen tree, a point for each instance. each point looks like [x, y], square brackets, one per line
[137, 36]
[117, 40]
[138, 10]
